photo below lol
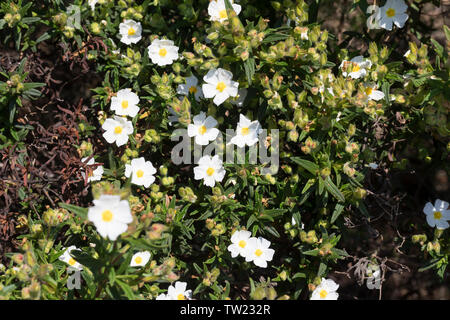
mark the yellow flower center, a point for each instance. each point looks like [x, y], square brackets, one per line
[210, 171]
[181, 297]
[140, 173]
[258, 252]
[118, 130]
[202, 130]
[124, 104]
[138, 260]
[242, 244]
[223, 14]
[131, 31]
[390, 12]
[368, 91]
[221, 86]
[437, 215]
[323, 293]
[244, 131]
[193, 89]
[72, 261]
[107, 216]
[162, 52]
[356, 67]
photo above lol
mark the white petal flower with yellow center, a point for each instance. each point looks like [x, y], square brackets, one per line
[326, 290]
[96, 174]
[393, 12]
[371, 93]
[259, 252]
[67, 258]
[219, 85]
[141, 172]
[130, 31]
[125, 103]
[117, 129]
[140, 259]
[110, 215]
[247, 132]
[162, 52]
[239, 242]
[190, 87]
[357, 66]
[437, 215]
[178, 292]
[210, 169]
[218, 11]
[203, 129]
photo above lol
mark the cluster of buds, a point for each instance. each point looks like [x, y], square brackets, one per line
[216, 228]
[187, 194]
[15, 83]
[105, 187]
[163, 271]
[264, 290]
[133, 13]
[152, 136]
[163, 85]
[132, 62]
[53, 217]
[13, 16]
[309, 237]
[156, 231]
[155, 194]
[309, 146]
[211, 277]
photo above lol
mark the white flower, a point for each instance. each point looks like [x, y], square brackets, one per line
[191, 86]
[437, 215]
[239, 242]
[203, 129]
[96, 174]
[259, 252]
[140, 259]
[219, 84]
[358, 67]
[67, 258]
[162, 296]
[125, 103]
[326, 290]
[210, 169]
[246, 132]
[240, 98]
[141, 172]
[394, 11]
[178, 292]
[92, 3]
[371, 93]
[162, 52]
[218, 11]
[110, 216]
[117, 130]
[130, 31]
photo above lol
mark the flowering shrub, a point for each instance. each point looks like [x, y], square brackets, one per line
[249, 75]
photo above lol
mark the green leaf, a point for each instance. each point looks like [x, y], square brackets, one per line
[331, 188]
[337, 212]
[308, 165]
[79, 211]
[249, 66]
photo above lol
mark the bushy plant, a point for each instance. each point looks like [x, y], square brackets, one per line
[333, 116]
